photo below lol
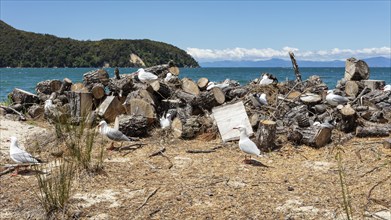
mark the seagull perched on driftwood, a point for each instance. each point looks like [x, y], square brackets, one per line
[261, 98]
[165, 121]
[334, 99]
[246, 144]
[168, 77]
[20, 156]
[146, 77]
[266, 80]
[387, 87]
[112, 133]
[211, 85]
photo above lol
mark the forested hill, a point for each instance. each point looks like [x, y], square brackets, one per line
[27, 49]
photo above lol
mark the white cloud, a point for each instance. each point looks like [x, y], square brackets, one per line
[269, 53]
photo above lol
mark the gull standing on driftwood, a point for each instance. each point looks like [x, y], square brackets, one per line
[165, 121]
[246, 144]
[112, 133]
[334, 99]
[20, 156]
[168, 77]
[261, 98]
[211, 85]
[265, 80]
[145, 77]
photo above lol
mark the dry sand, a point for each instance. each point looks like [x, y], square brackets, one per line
[300, 182]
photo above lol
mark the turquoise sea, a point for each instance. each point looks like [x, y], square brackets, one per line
[27, 78]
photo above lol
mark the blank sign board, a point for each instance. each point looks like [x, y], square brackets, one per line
[230, 116]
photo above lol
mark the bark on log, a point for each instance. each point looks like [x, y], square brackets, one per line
[190, 87]
[374, 84]
[36, 111]
[374, 116]
[295, 67]
[254, 120]
[185, 97]
[141, 107]
[185, 112]
[377, 131]
[356, 70]
[348, 117]
[122, 86]
[202, 83]
[209, 99]
[80, 105]
[78, 87]
[162, 70]
[23, 97]
[234, 92]
[303, 120]
[142, 94]
[48, 86]
[310, 98]
[110, 108]
[133, 125]
[95, 76]
[162, 89]
[266, 135]
[171, 103]
[185, 130]
[315, 136]
[98, 91]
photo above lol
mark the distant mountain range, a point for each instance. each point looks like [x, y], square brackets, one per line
[372, 62]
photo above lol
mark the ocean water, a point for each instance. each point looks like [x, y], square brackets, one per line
[27, 78]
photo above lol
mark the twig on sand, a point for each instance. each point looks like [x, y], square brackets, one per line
[374, 186]
[8, 170]
[146, 199]
[203, 151]
[130, 147]
[160, 151]
[21, 116]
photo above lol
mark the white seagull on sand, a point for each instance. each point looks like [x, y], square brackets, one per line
[245, 144]
[168, 77]
[20, 156]
[334, 99]
[112, 133]
[165, 121]
[265, 80]
[145, 76]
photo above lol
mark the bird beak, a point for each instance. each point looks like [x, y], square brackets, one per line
[235, 128]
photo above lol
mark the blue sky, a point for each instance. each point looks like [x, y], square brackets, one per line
[219, 30]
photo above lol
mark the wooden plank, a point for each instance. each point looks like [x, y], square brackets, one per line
[230, 116]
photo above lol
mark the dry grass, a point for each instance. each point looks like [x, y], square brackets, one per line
[301, 183]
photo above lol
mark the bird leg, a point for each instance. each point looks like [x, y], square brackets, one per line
[111, 146]
[15, 173]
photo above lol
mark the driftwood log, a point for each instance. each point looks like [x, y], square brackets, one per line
[133, 125]
[348, 118]
[142, 108]
[202, 83]
[161, 89]
[98, 91]
[209, 99]
[266, 135]
[295, 67]
[162, 70]
[375, 131]
[24, 98]
[36, 111]
[315, 136]
[122, 86]
[374, 84]
[48, 86]
[190, 86]
[110, 108]
[65, 86]
[356, 70]
[185, 129]
[80, 105]
[95, 76]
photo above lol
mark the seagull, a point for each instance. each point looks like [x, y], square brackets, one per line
[245, 144]
[211, 85]
[261, 98]
[334, 99]
[165, 121]
[387, 87]
[168, 77]
[112, 133]
[265, 80]
[49, 107]
[20, 156]
[145, 76]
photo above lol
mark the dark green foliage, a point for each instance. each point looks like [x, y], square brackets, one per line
[26, 49]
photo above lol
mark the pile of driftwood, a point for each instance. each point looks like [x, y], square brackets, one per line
[292, 111]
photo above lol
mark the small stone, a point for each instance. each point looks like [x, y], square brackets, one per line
[290, 188]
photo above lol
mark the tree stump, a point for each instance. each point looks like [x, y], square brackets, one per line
[266, 135]
[209, 99]
[110, 108]
[190, 87]
[348, 116]
[25, 98]
[80, 105]
[48, 86]
[352, 88]
[310, 98]
[377, 131]
[202, 83]
[133, 125]
[95, 76]
[356, 70]
[314, 136]
[186, 130]
[98, 91]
